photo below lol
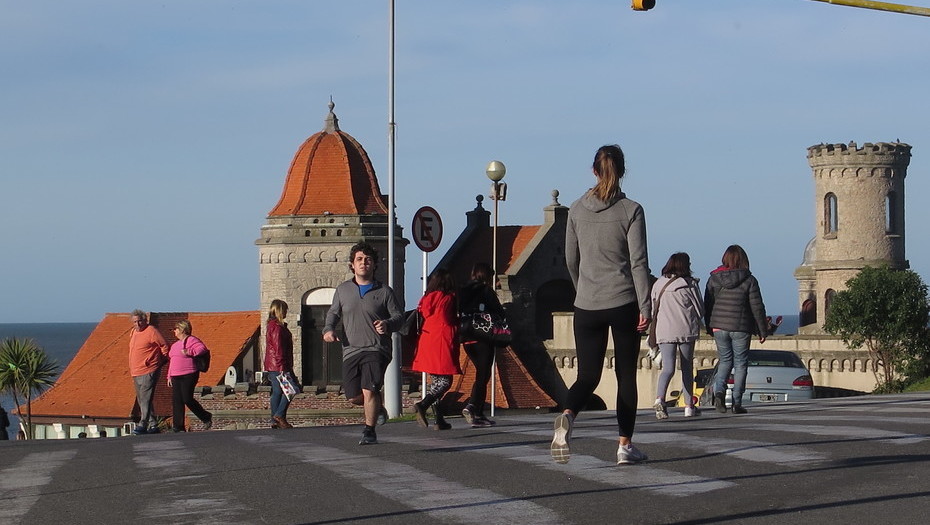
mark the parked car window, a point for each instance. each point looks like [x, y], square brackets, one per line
[774, 358]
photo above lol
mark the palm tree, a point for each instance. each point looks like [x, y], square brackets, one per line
[25, 369]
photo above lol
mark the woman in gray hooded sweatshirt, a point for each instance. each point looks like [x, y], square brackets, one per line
[605, 250]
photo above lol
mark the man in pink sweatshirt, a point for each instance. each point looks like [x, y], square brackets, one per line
[147, 351]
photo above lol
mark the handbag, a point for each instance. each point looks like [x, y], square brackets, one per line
[201, 361]
[413, 324]
[485, 327]
[288, 385]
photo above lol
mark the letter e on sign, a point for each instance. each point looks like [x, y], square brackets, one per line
[427, 229]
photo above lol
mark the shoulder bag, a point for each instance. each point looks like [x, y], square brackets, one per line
[201, 361]
[651, 338]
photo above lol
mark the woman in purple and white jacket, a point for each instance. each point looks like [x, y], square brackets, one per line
[678, 311]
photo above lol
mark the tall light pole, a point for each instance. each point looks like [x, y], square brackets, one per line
[392, 378]
[495, 171]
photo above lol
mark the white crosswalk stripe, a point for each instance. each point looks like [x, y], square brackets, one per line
[422, 491]
[860, 432]
[185, 493]
[593, 469]
[748, 450]
[21, 483]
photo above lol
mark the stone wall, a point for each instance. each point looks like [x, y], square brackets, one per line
[246, 407]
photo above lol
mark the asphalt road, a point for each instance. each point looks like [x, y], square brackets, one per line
[837, 461]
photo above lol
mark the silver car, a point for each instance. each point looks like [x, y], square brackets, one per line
[773, 376]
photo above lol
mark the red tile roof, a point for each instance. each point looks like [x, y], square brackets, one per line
[331, 172]
[511, 241]
[97, 382]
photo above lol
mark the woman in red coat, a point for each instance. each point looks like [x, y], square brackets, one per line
[279, 359]
[438, 349]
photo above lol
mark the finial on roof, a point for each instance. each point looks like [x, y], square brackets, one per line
[479, 198]
[332, 123]
[555, 198]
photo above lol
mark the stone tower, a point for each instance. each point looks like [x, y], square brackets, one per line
[858, 220]
[331, 200]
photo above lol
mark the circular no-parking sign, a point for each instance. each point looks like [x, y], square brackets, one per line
[427, 229]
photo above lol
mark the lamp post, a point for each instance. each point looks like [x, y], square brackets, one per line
[495, 171]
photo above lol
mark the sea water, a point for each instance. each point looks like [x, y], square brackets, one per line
[61, 341]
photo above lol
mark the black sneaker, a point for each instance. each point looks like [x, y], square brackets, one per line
[153, 430]
[139, 430]
[421, 415]
[482, 422]
[368, 437]
[382, 416]
[208, 424]
[720, 402]
[442, 425]
[738, 409]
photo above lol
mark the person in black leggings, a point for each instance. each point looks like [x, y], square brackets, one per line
[479, 296]
[605, 251]
[591, 342]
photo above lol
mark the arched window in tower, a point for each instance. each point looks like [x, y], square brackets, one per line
[828, 301]
[830, 220]
[890, 213]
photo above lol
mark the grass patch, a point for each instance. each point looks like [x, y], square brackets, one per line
[920, 386]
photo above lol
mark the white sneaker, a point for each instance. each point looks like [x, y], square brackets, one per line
[692, 411]
[661, 412]
[563, 434]
[627, 454]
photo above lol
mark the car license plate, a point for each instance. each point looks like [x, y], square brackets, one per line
[768, 398]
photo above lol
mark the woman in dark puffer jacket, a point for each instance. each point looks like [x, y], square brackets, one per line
[733, 312]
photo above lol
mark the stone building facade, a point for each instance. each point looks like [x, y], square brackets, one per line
[858, 220]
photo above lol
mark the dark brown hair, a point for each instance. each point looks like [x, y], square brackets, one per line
[441, 280]
[678, 265]
[735, 258]
[482, 272]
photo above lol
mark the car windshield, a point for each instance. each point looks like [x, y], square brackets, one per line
[774, 358]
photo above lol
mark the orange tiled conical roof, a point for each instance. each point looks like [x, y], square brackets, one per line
[331, 172]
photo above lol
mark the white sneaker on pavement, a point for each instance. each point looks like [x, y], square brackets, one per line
[692, 411]
[627, 454]
[563, 434]
[661, 411]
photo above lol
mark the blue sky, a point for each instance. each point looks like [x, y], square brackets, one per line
[142, 144]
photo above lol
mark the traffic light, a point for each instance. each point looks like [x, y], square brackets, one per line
[643, 5]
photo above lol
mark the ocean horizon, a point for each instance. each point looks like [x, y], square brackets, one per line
[61, 341]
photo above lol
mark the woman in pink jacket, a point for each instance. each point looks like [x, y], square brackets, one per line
[183, 377]
[437, 349]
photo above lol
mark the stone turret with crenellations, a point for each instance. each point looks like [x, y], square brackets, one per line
[859, 220]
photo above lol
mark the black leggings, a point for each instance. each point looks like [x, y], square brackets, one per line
[591, 329]
[482, 356]
[182, 390]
